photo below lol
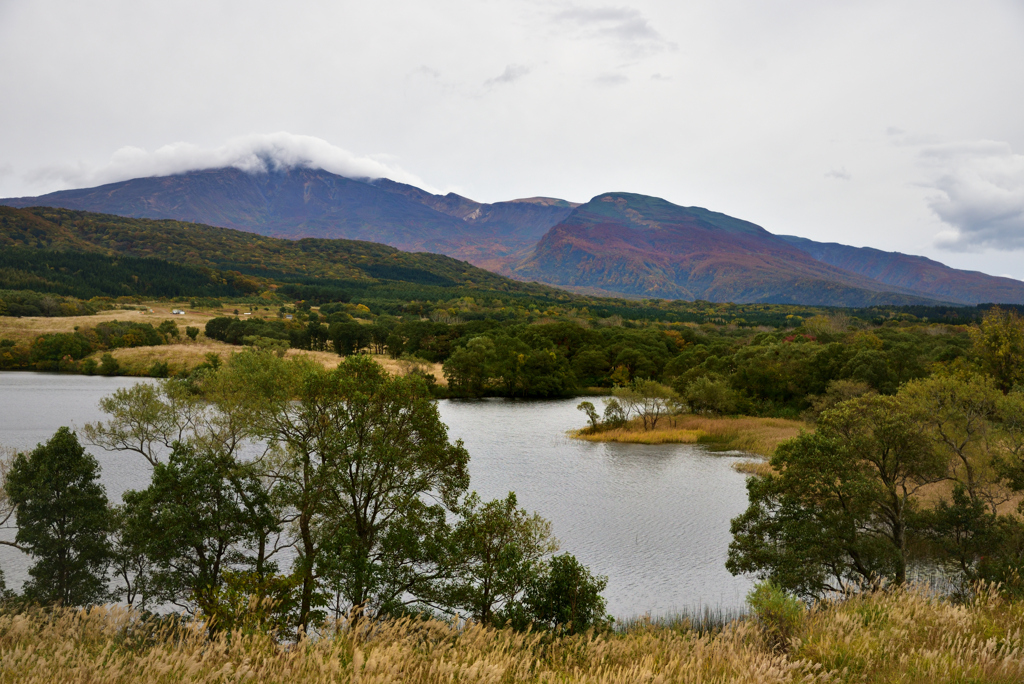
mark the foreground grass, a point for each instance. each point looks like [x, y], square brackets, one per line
[732, 433]
[902, 636]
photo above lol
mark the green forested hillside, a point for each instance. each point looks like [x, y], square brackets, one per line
[89, 274]
[222, 248]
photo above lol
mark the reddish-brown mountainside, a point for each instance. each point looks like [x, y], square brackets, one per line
[645, 246]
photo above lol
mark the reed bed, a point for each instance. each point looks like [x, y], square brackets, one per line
[759, 468]
[632, 436]
[901, 636]
[701, 620]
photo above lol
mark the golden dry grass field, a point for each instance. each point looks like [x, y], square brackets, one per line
[186, 354]
[899, 636]
[22, 329]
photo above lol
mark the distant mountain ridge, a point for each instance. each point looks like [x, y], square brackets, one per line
[303, 202]
[645, 246]
[618, 243]
[916, 273]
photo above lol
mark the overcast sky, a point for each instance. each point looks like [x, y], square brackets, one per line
[893, 124]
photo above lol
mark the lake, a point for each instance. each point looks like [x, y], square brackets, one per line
[653, 518]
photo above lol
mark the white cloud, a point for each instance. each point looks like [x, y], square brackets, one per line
[511, 74]
[611, 79]
[253, 153]
[979, 194]
[839, 174]
[624, 26]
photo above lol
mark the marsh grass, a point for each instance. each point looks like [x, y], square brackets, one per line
[759, 468]
[699, 620]
[632, 436]
[899, 636]
[724, 433]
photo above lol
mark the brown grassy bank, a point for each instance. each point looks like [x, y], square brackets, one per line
[898, 637]
[733, 433]
[183, 357]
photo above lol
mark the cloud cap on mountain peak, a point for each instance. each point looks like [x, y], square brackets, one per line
[257, 153]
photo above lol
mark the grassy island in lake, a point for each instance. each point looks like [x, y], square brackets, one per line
[726, 433]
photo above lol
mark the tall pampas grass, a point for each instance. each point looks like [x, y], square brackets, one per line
[903, 635]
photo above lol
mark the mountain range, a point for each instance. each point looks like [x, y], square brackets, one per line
[618, 243]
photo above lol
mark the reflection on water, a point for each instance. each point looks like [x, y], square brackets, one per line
[654, 518]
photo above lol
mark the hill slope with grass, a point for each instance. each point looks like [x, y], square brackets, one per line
[242, 260]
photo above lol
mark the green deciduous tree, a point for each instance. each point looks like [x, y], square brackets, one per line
[366, 467]
[592, 415]
[839, 507]
[566, 596]
[959, 415]
[470, 368]
[204, 514]
[63, 521]
[999, 346]
[647, 399]
[497, 552]
[707, 395]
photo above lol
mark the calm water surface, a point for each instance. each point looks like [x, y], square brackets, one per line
[654, 519]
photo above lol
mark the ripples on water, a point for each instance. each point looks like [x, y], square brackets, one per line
[653, 518]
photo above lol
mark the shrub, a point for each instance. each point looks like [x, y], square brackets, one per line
[169, 328]
[710, 396]
[779, 614]
[109, 365]
[159, 369]
[614, 415]
[192, 332]
[566, 597]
